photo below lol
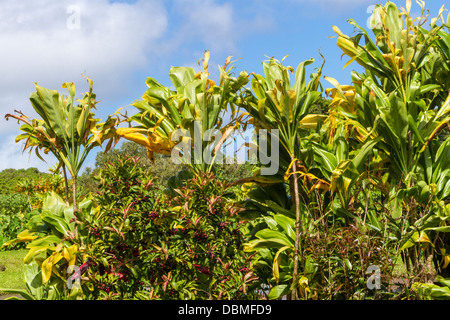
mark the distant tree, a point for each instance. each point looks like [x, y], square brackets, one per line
[10, 177]
[162, 168]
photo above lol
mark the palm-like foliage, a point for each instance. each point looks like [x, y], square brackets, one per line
[398, 97]
[401, 103]
[195, 107]
[66, 130]
[274, 103]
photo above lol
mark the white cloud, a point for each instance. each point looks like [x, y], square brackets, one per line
[211, 22]
[213, 25]
[39, 43]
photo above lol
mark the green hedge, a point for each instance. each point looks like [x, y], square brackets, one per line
[14, 214]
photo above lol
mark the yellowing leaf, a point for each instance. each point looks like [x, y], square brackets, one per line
[47, 266]
[311, 120]
[26, 236]
[21, 237]
[152, 141]
[303, 281]
[445, 258]
[33, 252]
[423, 238]
[276, 263]
[69, 254]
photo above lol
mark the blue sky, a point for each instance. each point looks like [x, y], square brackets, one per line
[118, 44]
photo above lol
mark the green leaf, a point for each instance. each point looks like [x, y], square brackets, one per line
[58, 223]
[287, 224]
[443, 281]
[45, 241]
[180, 77]
[22, 292]
[257, 245]
[33, 279]
[278, 291]
[267, 234]
[324, 157]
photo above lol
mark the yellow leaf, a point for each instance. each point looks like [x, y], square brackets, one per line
[59, 247]
[90, 286]
[445, 258]
[21, 237]
[26, 236]
[311, 120]
[206, 60]
[276, 263]
[246, 187]
[69, 254]
[152, 142]
[47, 266]
[33, 252]
[423, 238]
[47, 269]
[56, 272]
[303, 281]
[338, 31]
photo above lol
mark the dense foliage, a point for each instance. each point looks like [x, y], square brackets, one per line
[362, 182]
[177, 247]
[14, 214]
[9, 178]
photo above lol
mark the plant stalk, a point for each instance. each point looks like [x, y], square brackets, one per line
[298, 230]
[66, 185]
[74, 194]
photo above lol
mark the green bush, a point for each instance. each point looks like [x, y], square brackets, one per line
[148, 244]
[14, 214]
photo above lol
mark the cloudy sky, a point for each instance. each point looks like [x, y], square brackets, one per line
[118, 44]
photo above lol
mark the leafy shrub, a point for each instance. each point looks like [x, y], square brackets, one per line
[14, 214]
[430, 291]
[337, 261]
[161, 167]
[56, 240]
[148, 244]
[10, 177]
[36, 188]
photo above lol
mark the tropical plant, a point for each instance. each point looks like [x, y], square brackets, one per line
[400, 103]
[149, 245]
[161, 167]
[194, 112]
[433, 291]
[66, 130]
[10, 177]
[35, 189]
[57, 250]
[276, 104]
[14, 214]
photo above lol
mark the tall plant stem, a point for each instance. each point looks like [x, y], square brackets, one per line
[74, 194]
[298, 229]
[66, 185]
